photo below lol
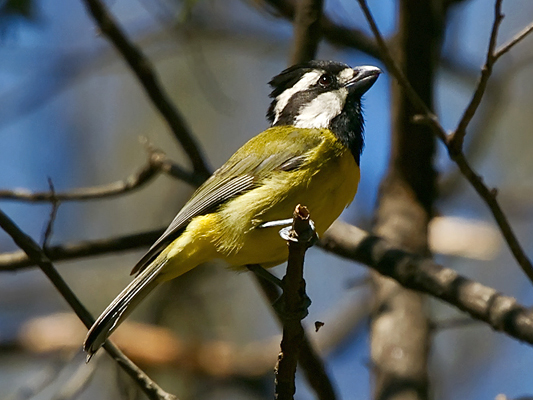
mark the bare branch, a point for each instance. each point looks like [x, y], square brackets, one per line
[508, 46]
[51, 220]
[307, 35]
[156, 163]
[335, 34]
[488, 195]
[455, 141]
[146, 75]
[393, 67]
[502, 313]
[36, 254]
[306, 30]
[68, 251]
[178, 172]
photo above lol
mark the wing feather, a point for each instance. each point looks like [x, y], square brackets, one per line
[285, 150]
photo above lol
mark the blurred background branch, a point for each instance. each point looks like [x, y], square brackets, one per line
[144, 71]
[454, 141]
[156, 164]
[34, 252]
[307, 30]
[334, 33]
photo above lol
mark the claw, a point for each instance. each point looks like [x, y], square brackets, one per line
[281, 309]
[274, 224]
[263, 273]
[279, 304]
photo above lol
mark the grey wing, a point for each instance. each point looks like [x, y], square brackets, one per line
[237, 176]
[205, 199]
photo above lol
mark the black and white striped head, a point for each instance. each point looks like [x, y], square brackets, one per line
[323, 94]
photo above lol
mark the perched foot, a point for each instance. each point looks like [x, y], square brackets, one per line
[264, 274]
[279, 304]
[286, 225]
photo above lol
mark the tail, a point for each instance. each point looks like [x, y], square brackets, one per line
[121, 307]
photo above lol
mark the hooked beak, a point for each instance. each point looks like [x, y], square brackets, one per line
[363, 79]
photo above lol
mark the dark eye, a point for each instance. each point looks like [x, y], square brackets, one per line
[325, 81]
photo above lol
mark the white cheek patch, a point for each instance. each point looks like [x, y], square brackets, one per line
[321, 110]
[305, 82]
[345, 75]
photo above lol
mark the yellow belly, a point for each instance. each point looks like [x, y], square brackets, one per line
[325, 194]
[326, 187]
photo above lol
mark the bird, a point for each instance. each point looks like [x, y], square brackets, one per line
[309, 155]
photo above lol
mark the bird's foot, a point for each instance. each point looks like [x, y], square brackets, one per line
[279, 304]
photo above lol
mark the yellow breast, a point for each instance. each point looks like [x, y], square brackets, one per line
[326, 184]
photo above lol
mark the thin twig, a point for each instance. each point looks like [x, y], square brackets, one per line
[393, 67]
[455, 140]
[18, 260]
[146, 75]
[517, 38]
[156, 163]
[53, 215]
[488, 195]
[309, 22]
[78, 380]
[37, 255]
[178, 172]
[453, 323]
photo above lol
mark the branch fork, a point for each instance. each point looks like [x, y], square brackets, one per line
[454, 141]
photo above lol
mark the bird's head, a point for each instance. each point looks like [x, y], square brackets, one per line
[323, 95]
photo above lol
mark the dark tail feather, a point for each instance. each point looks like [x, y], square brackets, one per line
[120, 308]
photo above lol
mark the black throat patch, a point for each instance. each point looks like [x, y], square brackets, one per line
[348, 127]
